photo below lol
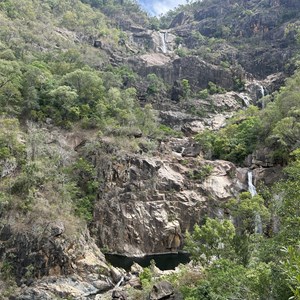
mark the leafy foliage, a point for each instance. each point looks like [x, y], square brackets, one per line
[235, 141]
[212, 240]
[261, 266]
[63, 84]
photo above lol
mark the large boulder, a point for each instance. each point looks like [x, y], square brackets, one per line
[164, 290]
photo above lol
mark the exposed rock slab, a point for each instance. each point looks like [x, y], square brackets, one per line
[145, 204]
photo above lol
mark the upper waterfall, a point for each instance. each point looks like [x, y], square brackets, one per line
[163, 37]
[262, 90]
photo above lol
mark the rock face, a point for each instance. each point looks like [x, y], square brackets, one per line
[51, 263]
[164, 290]
[198, 72]
[253, 36]
[147, 203]
[250, 21]
[156, 41]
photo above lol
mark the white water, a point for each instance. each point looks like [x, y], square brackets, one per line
[258, 224]
[257, 219]
[251, 187]
[246, 100]
[263, 94]
[119, 283]
[262, 91]
[163, 37]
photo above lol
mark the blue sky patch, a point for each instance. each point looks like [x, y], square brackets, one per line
[158, 7]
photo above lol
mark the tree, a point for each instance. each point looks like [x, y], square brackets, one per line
[251, 217]
[34, 85]
[291, 267]
[287, 203]
[212, 240]
[155, 84]
[87, 84]
[186, 88]
[64, 98]
[10, 85]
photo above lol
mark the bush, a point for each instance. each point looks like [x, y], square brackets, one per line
[202, 173]
[203, 94]
[214, 89]
[234, 142]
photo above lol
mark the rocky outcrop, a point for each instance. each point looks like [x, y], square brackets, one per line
[164, 290]
[151, 41]
[145, 204]
[48, 263]
[198, 72]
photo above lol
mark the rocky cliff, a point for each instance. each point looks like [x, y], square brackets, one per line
[212, 59]
[146, 201]
[148, 198]
[219, 42]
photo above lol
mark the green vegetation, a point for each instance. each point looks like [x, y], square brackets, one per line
[201, 173]
[186, 89]
[214, 89]
[203, 94]
[62, 83]
[243, 264]
[155, 85]
[235, 141]
[83, 187]
[277, 127]
[164, 130]
[241, 261]
[67, 107]
[50, 74]
[211, 241]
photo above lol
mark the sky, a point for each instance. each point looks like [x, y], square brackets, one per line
[157, 7]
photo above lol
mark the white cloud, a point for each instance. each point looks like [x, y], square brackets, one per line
[161, 7]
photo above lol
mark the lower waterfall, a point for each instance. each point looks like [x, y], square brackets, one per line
[257, 219]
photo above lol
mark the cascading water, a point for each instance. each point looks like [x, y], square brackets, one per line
[163, 38]
[119, 283]
[258, 224]
[263, 94]
[246, 100]
[257, 219]
[251, 187]
[262, 91]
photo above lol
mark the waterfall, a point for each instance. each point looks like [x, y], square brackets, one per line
[257, 219]
[262, 90]
[163, 38]
[246, 100]
[182, 151]
[251, 187]
[119, 283]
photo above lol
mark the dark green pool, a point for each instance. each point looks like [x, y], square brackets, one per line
[164, 261]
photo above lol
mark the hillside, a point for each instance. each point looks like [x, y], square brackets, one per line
[128, 134]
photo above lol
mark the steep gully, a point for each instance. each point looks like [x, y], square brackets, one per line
[147, 201]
